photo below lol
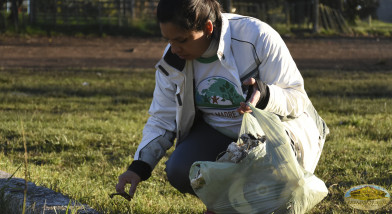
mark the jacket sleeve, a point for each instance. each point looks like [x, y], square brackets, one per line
[287, 96]
[159, 131]
[149, 155]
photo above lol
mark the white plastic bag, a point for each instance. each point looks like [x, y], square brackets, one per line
[265, 178]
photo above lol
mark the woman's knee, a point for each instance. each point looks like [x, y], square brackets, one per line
[178, 176]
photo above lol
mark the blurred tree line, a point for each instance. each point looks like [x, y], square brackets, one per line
[105, 16]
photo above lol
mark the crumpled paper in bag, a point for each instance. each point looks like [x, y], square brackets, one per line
[264, 178]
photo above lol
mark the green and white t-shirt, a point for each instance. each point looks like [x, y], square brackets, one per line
[218, 93]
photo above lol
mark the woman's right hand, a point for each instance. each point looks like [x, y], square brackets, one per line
[128, 177]
[254, 97]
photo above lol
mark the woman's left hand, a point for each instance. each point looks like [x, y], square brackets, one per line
[253, 99]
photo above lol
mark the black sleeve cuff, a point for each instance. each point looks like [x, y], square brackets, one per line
[264, 101]
[141, 168]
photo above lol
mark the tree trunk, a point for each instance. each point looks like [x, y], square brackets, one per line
[2, 16]
[14, 14]
[118, 4]
[228, 6]
[287, 13]
[32, 12]
[315, 16]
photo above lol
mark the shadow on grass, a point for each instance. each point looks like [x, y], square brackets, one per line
[384, 181]
[60, 91]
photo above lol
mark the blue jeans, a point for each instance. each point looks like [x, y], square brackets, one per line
[203, 143]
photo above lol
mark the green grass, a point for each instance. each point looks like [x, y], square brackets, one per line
[372, 28]
[83, 126]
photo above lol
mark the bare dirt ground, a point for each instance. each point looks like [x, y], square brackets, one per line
[119, 52]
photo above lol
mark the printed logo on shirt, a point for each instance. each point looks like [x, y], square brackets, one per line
[217, 92]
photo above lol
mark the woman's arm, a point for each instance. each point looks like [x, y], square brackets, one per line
[287, 96]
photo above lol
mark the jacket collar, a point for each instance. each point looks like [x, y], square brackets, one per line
[224, 51]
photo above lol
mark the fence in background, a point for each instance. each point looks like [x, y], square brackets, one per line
[113, 15]
[113, 12]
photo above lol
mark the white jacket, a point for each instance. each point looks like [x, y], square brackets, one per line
[246, 44]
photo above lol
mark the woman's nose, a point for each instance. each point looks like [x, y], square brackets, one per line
[175, 49]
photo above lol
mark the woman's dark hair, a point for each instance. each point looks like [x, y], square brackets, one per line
[191, 14]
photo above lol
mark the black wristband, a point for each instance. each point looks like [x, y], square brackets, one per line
[264, 94]
[141, 168]
[263, 102]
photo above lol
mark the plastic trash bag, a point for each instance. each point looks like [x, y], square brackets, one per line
[259, 174]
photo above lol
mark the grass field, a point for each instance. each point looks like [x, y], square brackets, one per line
[83, 126]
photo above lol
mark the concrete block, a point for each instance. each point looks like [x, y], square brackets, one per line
[39, 199]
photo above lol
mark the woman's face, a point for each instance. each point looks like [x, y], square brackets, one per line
[187, 45]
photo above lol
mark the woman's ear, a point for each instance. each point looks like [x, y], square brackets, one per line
[209, 28]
